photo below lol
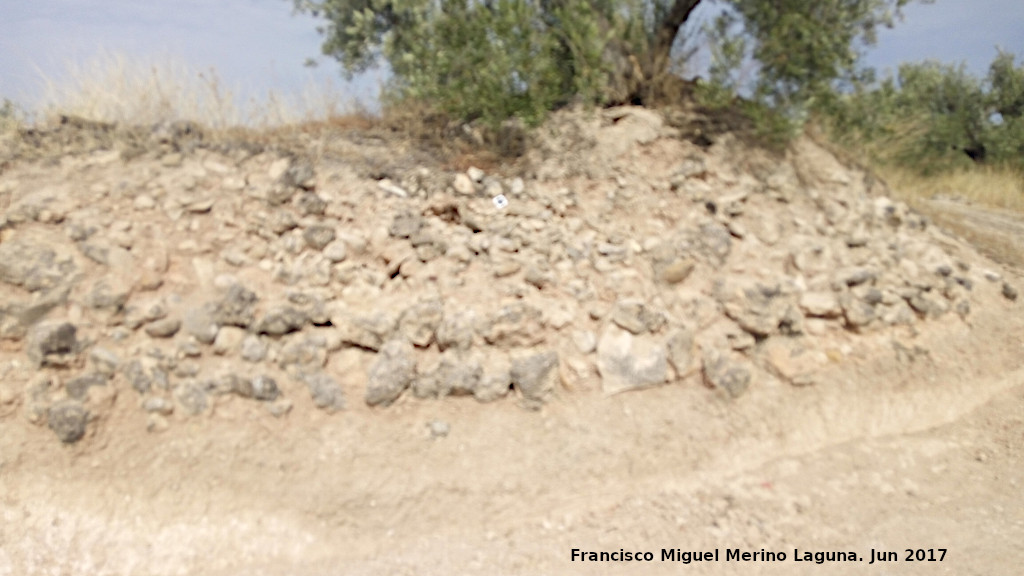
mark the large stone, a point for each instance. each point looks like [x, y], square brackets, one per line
[33, 266]
[261, 387]
[724, 373]
[391, 373]
[52, 343]
[458, 375]
[680, 345]
[325, 391]
[515, 325]
[628, 362]
[78, 388]
[192, 397]
[420, 322]
[163, 328]
[456, 329]
[235, 308]
[820, 304]
[199, 323]
[535, 375]
[760, 308]
[368, 331]
[318, 236]
[636, 317]
[282, 320]
[405, 224]
[67, 419]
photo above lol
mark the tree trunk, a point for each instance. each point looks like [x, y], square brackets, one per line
[633, 77]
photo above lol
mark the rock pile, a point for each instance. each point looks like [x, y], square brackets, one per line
[625, 258]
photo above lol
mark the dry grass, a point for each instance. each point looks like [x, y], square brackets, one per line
[988, 186]
[117, 88]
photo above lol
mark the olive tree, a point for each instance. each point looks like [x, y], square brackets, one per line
[500, 58]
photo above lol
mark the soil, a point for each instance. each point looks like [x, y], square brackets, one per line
[890, 453]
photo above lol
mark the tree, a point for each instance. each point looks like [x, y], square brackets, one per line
[494, 58]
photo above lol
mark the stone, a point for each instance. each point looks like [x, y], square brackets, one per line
[535, 375]
[456, 329]
[857, 312]
[793, 360]
[318, 236]
[515, 325]
[463, 185]
[677, 271]
[680, 349]
[263, 388]
[192, 397]
[164, 328]
[636, 317]
[723, 373]
[497, 378]
[628, 362]
[929, 304]
[104, 360]
[820, 304]
[419, 323]
[405, 224]
[336, 251]
[391, 373]
[235, 308]
[229, 339]
[310, 204]
[325, 392]
[51, 343]
[78, 388]
[158, 405]
[585, 341]
[33, 266]
[368, 331]
[108, 293]
[760, 308]
[67, 419]
[282, 320]
[1009, 292]
[199, 323]
[458, 375]
[253, 349]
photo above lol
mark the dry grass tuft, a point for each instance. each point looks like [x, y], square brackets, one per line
[993, 187]
[120, 89]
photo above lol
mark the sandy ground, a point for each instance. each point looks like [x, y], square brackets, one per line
[888, 453]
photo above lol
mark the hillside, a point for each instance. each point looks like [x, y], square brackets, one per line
[249, 354]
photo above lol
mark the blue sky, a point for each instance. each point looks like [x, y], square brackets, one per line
[258, 45]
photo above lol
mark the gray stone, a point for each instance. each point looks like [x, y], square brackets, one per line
[310, 204]
[78, 388]
[515, 325]
[628, 362]
[497, 379]
[680, 351]
[336, 251]
[721, 372]
[820, 304]
[164, 328]
[282, 320]
[636, 317]
[105, 361]
[51, 343]
[192, 397]
[318, 236]
[1009, 292]
[199, 323]
[535, 375]
[158, 405]
[458, 375]
[368, 331]
[456, 329]
[33, 266]
[108, 293]
[420, 322]
[325, 391]
[405, 224]
[261, 387]
[235, 308]
[303, 353]
[391, 373]
[714, 242]
[857, 312]
[281, 221]
[928, 304]
[137, 376]
[759, 308]
[253, 349]
[67, 419]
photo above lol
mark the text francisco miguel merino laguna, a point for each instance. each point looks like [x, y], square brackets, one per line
[733, 555]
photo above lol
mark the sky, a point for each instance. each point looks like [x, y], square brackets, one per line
[260, 45]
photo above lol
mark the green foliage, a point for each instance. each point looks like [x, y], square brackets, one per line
[10, 115]
[934, 116]
[495, 59]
